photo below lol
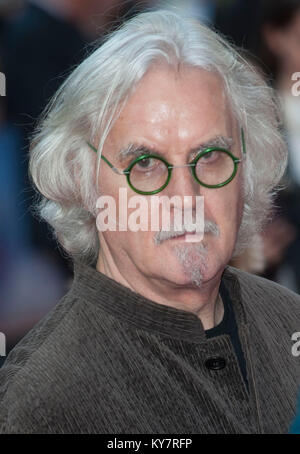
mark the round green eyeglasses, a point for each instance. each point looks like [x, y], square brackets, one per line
[149, 174]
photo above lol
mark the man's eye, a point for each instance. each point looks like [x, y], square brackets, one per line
[146, 164]
[210, 156]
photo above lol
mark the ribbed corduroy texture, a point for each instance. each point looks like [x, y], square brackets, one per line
[107, 360]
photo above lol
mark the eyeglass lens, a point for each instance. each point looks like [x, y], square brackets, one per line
[213, 168]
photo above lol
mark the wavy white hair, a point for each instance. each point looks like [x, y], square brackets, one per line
[62, 165]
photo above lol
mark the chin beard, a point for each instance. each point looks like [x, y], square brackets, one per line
[193, 259]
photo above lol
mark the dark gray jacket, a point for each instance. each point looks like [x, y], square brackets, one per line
[107, 360]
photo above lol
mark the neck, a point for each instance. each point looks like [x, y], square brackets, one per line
[205, 302]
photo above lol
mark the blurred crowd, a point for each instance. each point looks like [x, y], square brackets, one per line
[40, 43]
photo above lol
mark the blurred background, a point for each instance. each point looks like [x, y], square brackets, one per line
[41, 41]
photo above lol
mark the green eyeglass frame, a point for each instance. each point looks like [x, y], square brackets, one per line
[170, 167]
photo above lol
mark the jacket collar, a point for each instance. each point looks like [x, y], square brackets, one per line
[123, 303]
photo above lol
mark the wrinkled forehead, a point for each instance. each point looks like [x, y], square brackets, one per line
[177, 90]
[173, 108]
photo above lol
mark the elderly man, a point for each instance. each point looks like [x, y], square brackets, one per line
[157, 334]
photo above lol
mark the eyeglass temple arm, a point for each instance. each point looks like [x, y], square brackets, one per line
[105, 159]
[243, 141]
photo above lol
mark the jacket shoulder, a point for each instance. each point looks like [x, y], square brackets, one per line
[254, 281]
[32, 365]
[261, 293]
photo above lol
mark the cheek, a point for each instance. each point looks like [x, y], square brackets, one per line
[137, 246]
[225, 207]
[130, 217]
[110, 182]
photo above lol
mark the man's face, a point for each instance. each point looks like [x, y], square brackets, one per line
[173, 113]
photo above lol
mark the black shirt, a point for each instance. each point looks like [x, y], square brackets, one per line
[228, 326]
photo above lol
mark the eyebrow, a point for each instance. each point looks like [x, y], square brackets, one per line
[135, 150]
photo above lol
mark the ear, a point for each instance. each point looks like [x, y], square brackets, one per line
[77, 176]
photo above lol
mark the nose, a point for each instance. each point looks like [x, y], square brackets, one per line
[183, 183]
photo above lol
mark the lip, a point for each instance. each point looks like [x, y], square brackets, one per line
[178, 237]
[189, 237]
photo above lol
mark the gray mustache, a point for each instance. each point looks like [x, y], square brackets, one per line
[163, 235]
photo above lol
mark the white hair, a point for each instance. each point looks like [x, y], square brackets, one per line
[62, 166]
